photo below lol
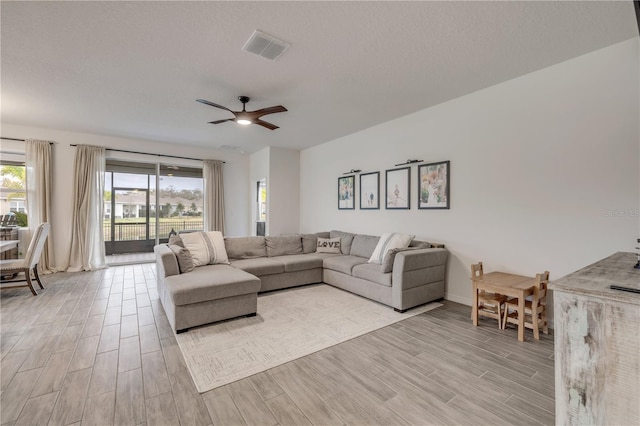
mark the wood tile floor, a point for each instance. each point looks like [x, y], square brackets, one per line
[130, 259]
[96, 348]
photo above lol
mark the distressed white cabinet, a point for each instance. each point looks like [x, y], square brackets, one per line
[597, 344]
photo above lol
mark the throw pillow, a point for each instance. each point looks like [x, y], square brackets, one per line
[185, 261]
[206, 247]
[387, 263]
[420, 244]
[176, 240]
[328, 245]
[389, 241]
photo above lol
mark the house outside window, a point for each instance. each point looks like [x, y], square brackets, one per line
[17, 206]
[13, 189]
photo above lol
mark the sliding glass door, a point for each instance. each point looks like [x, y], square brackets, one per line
[129, 222]
[137, 217]
[129, 225]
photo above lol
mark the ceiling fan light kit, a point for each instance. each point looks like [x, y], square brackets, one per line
[245, 117]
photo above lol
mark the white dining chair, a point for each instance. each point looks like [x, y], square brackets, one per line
[29, 264]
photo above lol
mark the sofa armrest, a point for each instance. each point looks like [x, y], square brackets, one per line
[415, 269]
[166, 262]
[410, 260]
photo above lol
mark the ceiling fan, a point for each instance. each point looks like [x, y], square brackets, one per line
[247, 117]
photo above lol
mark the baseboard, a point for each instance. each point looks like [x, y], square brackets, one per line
[458, 299]
[469, 302]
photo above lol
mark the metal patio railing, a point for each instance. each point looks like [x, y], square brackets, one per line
[135, 231]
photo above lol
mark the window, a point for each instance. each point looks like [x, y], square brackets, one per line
[12, 187]
[17, 206]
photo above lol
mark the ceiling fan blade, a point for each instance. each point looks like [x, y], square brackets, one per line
[265, 124]
[202, 101]
[270, 110]
[222, 121]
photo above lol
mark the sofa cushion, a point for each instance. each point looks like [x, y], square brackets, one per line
[329, 245]
[343, 264]
[211, 282]
[309, 243]
[183, 256]
[245, 247]
[388, 241]
[364, 245]
[346, 240]
[323, 255]
[206, 247]
[299, 262]
[372, 272]
[259, 266]
[280, 246]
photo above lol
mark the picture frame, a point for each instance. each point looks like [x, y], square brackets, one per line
[370, 191]
[346, 187]
[398, 189]
[434, 185]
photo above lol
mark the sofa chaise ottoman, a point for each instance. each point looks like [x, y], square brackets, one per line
[205, 294]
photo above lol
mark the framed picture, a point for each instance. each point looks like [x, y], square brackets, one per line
[398, 186]
[346, 186]
[370, 191]
[433, 185]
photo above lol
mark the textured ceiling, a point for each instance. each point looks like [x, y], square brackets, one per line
[134, 69]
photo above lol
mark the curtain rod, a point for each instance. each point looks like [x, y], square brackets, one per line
[20, 140]
[146, 153]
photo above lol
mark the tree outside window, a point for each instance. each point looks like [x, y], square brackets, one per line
[13, 192]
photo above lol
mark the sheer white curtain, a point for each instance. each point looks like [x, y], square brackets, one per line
[38, 184]
[87, 241]
[213, 196]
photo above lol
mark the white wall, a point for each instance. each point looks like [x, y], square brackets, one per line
[283, 191]
[281, 168]
[236, 174]
[538, 163]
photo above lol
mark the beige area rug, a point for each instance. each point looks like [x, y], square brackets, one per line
[290, 324]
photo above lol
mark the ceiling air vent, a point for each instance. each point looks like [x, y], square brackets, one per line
[264, 45]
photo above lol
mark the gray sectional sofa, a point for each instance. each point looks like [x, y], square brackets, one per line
[411, 276]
